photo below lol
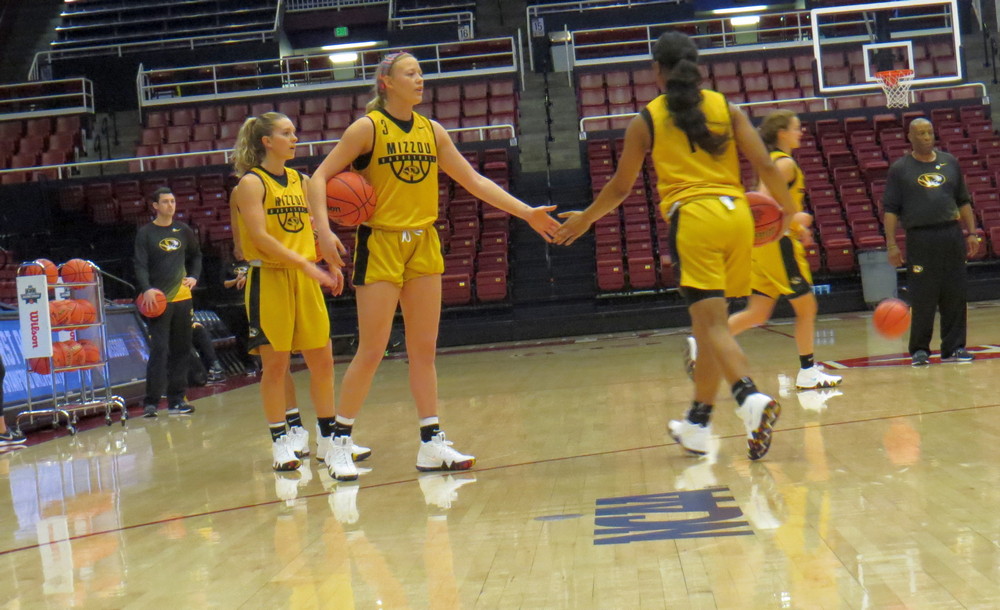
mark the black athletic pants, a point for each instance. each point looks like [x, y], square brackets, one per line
[935, 257]
[169, 352]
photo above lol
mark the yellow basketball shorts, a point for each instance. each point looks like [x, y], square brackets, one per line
[396, 256]
[780, 269]
[285, 309]
[711, 238]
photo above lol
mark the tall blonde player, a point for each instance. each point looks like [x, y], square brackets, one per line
[780, 268]
[398, 259]
[690, 133]
[284, 301]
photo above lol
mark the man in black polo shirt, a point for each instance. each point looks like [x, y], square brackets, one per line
[925, 190]
[167, 257]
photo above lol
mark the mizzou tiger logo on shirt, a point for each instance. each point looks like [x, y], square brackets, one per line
[409, 161]
[290, 210]
[169, 244]
[931, 181]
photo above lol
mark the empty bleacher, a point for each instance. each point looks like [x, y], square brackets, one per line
[95, 23]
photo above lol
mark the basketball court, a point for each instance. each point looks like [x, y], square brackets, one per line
[883, 495]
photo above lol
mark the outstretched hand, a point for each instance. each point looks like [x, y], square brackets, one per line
[543, 224]
[574, 225]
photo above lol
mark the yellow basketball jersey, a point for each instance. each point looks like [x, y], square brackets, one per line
[286, 217]
[684, 170]
[797, 186]
[403, 170]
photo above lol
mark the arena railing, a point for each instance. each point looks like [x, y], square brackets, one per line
[463, 19]
[46, 98]
[296, 74]
[46, 58]
[536, 11]
[132, 165]
[311, 5]
[829, 103]
[717, 36]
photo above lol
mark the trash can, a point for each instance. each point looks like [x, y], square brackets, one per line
[878, 276]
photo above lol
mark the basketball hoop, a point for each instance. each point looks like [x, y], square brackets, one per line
[896, 85]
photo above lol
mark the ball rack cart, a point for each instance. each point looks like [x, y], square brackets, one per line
[92, 393]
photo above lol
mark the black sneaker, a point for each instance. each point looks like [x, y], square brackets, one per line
[960, 355]
[181, 408]
[12, 437]
[920, 358]
[149, 411]
[216, 376]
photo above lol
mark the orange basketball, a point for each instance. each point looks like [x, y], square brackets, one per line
[158, 307]
[76, 271]
[72, 312]
[47, 267]
[86, 312]
[892, 318]
[60, 355]
[92, 353]
[40, 365]
[767, 217]
[59, 312]
[74, 353]
[350, 200]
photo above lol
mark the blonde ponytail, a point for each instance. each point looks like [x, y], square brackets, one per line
[383, 70]
[249, 151]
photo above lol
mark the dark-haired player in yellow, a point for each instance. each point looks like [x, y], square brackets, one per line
[398, 259]
[780, 268]
[690, 133]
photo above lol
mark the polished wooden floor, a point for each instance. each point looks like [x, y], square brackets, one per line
[886, 495]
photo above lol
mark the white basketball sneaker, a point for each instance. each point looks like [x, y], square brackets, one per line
[437, 454]
[694, 438]
[814, 378]
[358, 453]
[300, 441]
[442, 490]
[758, 412]
[284, 455]
[338, 459]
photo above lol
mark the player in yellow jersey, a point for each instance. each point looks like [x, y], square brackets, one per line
[285, 303]
[398, 259]
[690, 134]
[780, 268]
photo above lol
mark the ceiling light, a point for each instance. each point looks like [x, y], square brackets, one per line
[351, 45]
[740, 9]
[344, 58]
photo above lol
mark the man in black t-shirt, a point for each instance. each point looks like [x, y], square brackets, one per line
[167, 257]
[925, 191]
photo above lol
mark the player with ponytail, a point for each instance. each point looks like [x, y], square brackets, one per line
[693, 135]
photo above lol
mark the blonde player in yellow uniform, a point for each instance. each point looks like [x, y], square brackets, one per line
[398, 259]
[284, 301]
[691, 134]
[780, 268]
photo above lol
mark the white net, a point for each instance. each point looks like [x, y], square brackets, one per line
[896, 85]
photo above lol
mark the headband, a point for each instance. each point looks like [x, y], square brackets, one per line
[386, 65]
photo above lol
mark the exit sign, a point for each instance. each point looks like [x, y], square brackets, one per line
[340, 32]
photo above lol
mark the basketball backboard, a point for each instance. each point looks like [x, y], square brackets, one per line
[852, 43]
